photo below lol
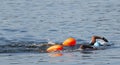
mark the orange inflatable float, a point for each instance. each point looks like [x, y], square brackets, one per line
[55, 48]
[69, 42]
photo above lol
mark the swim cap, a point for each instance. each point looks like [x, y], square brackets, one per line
[97, 44]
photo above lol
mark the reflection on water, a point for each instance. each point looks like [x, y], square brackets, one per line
[70, 57]
[86, 54]
[56, 54]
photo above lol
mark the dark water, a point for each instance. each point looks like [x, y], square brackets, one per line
[25, 25]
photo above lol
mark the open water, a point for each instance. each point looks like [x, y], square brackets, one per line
[25, 25]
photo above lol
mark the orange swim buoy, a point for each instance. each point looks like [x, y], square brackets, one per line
[55, 48]
[69, 42]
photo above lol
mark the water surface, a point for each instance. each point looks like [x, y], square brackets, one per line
[26, 24]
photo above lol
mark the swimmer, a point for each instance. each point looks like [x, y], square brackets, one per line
[71, 42]
[94, 43]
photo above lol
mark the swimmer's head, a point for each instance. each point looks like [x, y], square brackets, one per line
[97, 44]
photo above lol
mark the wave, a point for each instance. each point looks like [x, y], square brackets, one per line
[18, 46]
[24, 47]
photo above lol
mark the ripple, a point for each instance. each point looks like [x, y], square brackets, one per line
[53, 30]
[114, 57]
[10, 30]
